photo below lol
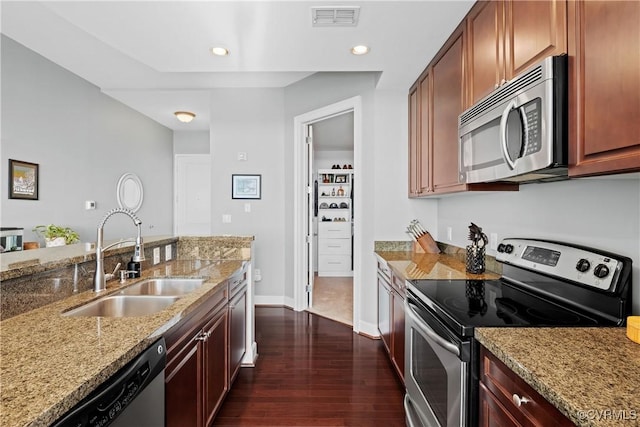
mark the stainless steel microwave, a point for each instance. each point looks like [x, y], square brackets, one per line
[518, 132]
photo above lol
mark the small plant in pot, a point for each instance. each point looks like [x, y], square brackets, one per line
[55, 235]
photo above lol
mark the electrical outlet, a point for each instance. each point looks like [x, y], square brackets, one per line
[493, 241]
[156, 256]
[167, 253]
[449, 234]
[257, 275]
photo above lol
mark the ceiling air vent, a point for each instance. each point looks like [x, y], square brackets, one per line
[335, 16]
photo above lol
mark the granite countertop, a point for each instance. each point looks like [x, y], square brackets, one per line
[414, 265]
[592, 375]
[49, 362]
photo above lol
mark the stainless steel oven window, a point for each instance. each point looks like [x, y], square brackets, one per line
[436, 378]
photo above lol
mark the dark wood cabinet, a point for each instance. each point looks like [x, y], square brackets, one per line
[391, 316]
[448, 102]
[237, 322]
[505, 37]
[216, 384]
[196, 378]
[420, 137]
[507, 400]
[604, 87]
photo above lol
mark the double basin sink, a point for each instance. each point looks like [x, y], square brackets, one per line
[141, 299]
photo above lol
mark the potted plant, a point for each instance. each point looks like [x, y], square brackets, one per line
[55, 235]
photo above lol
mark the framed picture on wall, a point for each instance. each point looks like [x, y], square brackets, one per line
[341, 179]
[23, 180]
[246, 186]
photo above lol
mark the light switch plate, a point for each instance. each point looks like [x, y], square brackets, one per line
[493, 241]
[156, 256]
[226, 218]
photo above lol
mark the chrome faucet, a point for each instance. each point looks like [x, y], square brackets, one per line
[100, 278]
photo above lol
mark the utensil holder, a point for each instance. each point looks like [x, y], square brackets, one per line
[475, 259]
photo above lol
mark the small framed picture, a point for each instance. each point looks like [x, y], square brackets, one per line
[341, 179]
[23, 180]
[246, 186]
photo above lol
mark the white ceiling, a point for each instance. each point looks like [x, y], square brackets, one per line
[154, 55]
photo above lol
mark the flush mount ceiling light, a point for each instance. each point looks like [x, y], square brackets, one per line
[220, 51]
[185, 116]
[360, 50]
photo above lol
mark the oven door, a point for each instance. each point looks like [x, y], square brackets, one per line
[437, 365]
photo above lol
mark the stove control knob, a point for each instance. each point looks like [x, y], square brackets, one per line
[501, 247]
[583, 265]
[601, 271]
[508, 248]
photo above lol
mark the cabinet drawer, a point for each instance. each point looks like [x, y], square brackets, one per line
[504, 384]
[334, 230]
[334, 263]
[334, 246]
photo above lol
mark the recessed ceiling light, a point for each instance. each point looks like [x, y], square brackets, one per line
[220, 51]
[185, 116]
[360, 50]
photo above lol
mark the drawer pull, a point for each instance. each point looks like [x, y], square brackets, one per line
[519, 401]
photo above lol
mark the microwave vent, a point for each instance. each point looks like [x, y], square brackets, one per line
[534, 76]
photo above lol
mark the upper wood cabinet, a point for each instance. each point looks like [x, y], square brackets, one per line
[604, 87]
[436, 100]
[505, 37]
[420, 137]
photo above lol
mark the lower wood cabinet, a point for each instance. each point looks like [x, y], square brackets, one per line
[237, 323]
[507, 400]
[391, 316]
[196, 378]
[204, 355]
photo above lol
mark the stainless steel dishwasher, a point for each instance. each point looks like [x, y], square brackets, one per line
[134, 396]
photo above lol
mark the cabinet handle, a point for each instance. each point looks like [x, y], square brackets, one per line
[519, 401]
[203, 336]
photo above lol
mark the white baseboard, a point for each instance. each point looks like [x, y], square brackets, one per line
[369, 329]
[273, 300]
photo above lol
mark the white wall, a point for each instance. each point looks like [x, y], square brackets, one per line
[83, 141]
[191, 142]
[326, 159]
[252, 121]
[601, 213]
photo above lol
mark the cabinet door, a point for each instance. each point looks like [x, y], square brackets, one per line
[534, 30]
[183, 387]
[604, 91]
[414, 153]
[237, 332]
[485, 49]
[492, 413]
[214, 376]
[398, 333]
[448, 85]
[424, 139]
[384, 313]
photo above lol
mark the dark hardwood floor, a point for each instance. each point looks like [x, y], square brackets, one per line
[312, 371]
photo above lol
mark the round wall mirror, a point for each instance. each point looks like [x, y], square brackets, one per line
[130, 192]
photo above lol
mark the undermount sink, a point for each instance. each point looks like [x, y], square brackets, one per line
[164, 286]
[123, 306]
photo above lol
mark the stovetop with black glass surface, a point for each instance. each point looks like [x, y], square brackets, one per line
[545, 284]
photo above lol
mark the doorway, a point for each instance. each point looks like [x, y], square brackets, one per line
[305, 173]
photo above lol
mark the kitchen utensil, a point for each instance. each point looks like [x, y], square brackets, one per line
[419, 234]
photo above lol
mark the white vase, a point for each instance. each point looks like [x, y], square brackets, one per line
[58, 241]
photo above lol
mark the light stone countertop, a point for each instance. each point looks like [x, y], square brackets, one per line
[592, 375]
[49, 362]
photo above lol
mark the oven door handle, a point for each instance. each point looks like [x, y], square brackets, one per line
[423, 327]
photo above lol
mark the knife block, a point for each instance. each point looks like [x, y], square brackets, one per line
[427, 243]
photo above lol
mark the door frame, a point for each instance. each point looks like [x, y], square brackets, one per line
[300, 217]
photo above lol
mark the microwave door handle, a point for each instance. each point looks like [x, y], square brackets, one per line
[423, 327]
[503, 134]
[525, 131]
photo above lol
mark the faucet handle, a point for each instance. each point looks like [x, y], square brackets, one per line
[115, 270]
[110, 276]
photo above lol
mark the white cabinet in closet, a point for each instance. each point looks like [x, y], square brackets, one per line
[334, 222]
